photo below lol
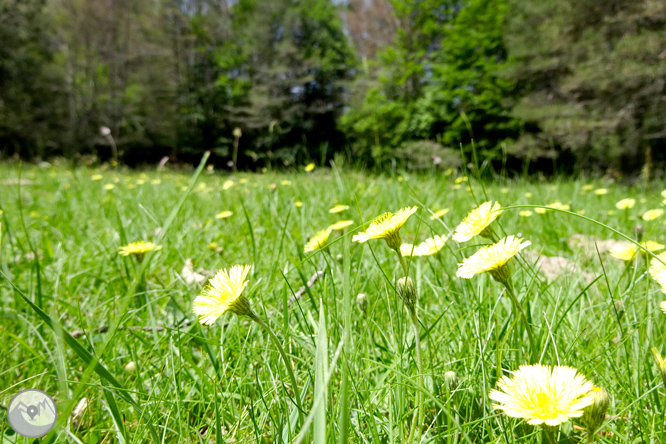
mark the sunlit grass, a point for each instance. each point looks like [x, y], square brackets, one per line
[60, 249]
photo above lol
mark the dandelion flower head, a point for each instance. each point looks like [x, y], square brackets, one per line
[491, 257]
[138, 248]
[653, 214]
[341, 225]
[338, 209]
[224, 214]
[525, 213]
[600, 191]
[309, 167]
[387, 227]
[438, 214]
[223, 293]
[477, 221]
[318, 241]
[542, 394]
[428, 247]
[663, 307]
[625, 204]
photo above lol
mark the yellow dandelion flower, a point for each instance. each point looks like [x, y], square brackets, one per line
[456, 186]
[227, 184]
[525, 213]
[528, 194]
[387, 227]
[428, 247]
[541, 394]
[318, 241]
[138, 249]
[309, 167]
[224, 214]
[156, 181]
[339, 226]
[142, 181]
[338, 209]
[557, 205]
[461, 179]
[653, 214]
[540, 210]
[438, 214]
[600, 191]
[587, 187]
[492, 258]
[625, 204]
[663, 307]
[408, 250]
[625, 251]
[449, 171]
[298, 204]
[657, 265]
[652, 246]
[223, 293]
[109, 186]
[478, 222]
[285, 183]
[96, 177]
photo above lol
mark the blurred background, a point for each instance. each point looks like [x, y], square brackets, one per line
[532, 85]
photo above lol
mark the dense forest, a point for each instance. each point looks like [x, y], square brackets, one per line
[532, 84]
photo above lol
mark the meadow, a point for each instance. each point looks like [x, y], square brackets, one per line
[115, 341]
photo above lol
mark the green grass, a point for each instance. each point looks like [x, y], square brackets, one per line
[227, 383]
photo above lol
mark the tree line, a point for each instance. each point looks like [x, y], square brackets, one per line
[525, 84]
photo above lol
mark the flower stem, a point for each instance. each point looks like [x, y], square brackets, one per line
[419, 364]
[519, 309]
[402, 262]
[287, 363]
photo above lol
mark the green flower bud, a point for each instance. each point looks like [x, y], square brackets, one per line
[407, 292]
[594, 414]
[362, 302]
[451, 380]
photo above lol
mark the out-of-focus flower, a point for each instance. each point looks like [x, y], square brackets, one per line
[653, 214]
[338, 209]
[341, 225]
[625, 204]
[138, 249]
[224, 214]
[438, 214]
[525, 213]
[309, 167]
[478, 222]
[318, 241]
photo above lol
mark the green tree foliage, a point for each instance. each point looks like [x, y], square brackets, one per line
[438, 81]
[591, 80]
[172, 77]
[30, 110]
[295, 60]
